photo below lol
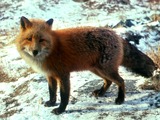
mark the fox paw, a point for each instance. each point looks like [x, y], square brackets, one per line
[57, 111]
[119, 101]
[98, 93]
[49, 104]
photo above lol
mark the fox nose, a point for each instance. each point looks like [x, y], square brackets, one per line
[35, 52]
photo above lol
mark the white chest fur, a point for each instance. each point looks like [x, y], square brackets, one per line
[34, 63]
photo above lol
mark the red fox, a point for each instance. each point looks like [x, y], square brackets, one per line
[56, 53]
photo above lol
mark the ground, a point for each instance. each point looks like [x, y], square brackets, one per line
[23, 92]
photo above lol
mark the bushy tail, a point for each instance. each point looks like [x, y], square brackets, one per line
[136, 61]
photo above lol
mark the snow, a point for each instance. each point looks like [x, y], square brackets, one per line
[27, 94]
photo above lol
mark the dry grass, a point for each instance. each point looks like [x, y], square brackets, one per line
[8, 114]
[153, 83]
[4, 5]
[155, 17]
[156, 80]
[154, 53]
[20, 90]
[8, 37]
[154, 1]
[4, 77]
[10, 109]
[11, 103]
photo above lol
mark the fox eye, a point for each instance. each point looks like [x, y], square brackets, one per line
[29, 39]
[41, 40]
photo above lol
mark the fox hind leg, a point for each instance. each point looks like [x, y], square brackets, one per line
[115, 77]
[100, 92]
[109, 78]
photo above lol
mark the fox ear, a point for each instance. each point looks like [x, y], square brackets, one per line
[25, 23]
[50, 22]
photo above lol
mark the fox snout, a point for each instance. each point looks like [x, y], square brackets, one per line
[35, 52]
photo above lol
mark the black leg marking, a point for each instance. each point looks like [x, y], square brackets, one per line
[52, 92]
[64, 93]
[104, 88]
[120, 99]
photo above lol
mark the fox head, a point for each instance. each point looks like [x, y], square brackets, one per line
[35, 39]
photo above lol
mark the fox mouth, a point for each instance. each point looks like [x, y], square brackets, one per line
[39, 55]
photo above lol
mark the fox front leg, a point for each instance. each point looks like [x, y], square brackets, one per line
[64, 94]
[52, 84]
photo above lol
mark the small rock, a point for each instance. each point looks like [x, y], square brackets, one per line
[147, 18]
[129, 23]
